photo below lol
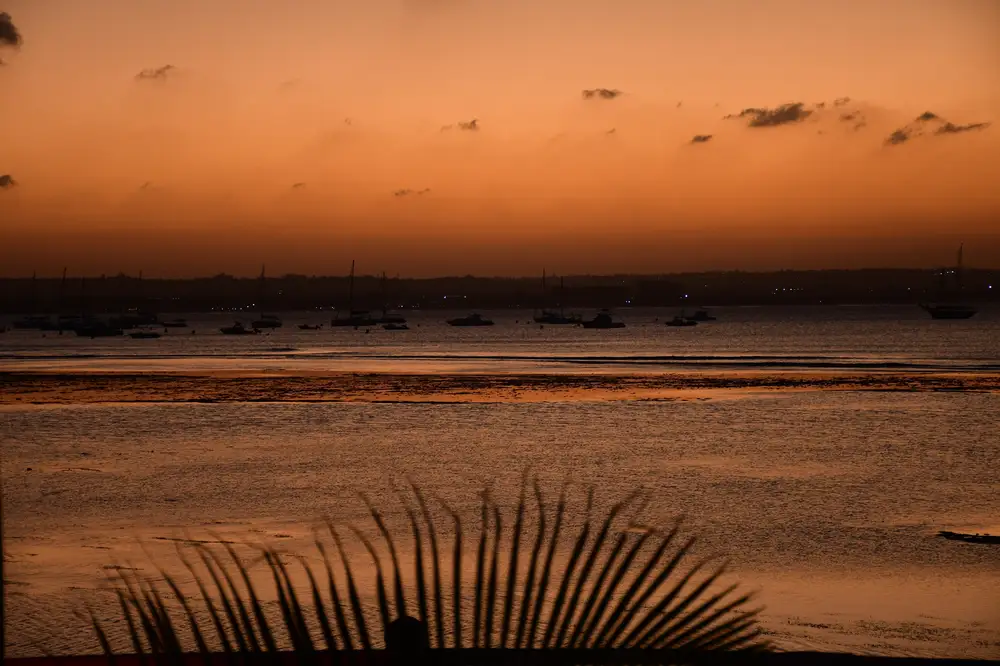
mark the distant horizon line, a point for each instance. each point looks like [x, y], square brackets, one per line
[538, 276]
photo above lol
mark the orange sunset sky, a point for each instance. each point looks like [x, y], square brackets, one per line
[306, 133]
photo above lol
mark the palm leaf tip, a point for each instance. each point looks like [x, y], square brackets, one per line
[610, 585]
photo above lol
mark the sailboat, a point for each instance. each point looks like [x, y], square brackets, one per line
[33, 321]
[145, 333]
[397, 320]
[64, 322]
[603, 319]
[238, 329]
[701, 315]
[556, 317]
[265, 320]
[135, 317]
[354, 318]
[474, 319]
[88, 326]
[952, 309]
[682, 320]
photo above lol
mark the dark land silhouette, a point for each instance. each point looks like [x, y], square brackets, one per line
[113, 293]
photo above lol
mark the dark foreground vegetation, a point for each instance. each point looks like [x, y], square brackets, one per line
[626, 594]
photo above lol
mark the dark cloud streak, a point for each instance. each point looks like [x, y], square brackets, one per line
[786, 114]
[951, 128]
[408, 192]
[602, 93]
[9, 35]
[920, 123]
[155, 74]
[465, 126]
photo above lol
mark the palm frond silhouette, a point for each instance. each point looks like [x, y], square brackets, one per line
[618, 588]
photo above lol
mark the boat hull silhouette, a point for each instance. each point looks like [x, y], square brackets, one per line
[949, 310]
[557, 319]
[238, 329]
[267, 322]
[603, 320]
[471, 320]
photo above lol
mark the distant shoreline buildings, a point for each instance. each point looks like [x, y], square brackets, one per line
[299, 292]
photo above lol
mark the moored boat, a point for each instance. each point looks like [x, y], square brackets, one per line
[92, 328]
[556, 317]
[238, 329]
[474, 319]
[33, 322]
[603, 319]
[951, 307]
[701, 315]
[949, 310]
[353, 318]
[267, 321]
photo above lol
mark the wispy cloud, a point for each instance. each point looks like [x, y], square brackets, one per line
[785, 114]
[9, 35]
[701, 138]
[155, 74]
[465, 126]
[952, 128]
[854, 117]
[406, 192]
[902, 135]
[298, 186]
[602, 93]
[922, 123]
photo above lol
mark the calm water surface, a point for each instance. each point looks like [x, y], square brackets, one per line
[827, 501]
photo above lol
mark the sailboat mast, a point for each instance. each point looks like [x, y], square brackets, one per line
[260, 297]
[62, 295]
[958, 267]
[545, 293]
[385, 296]
[350, 291]
[562, 289]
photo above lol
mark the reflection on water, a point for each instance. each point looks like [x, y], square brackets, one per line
[809, 492]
